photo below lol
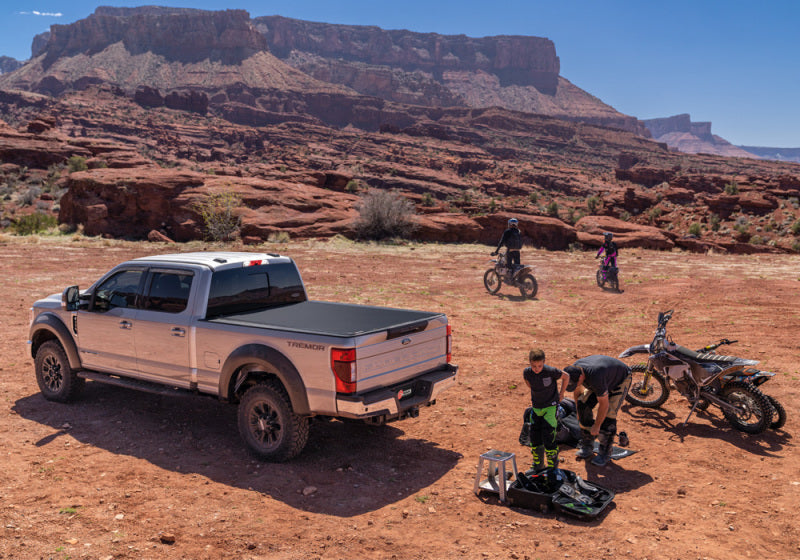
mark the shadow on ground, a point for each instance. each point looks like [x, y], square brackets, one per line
[354, 468]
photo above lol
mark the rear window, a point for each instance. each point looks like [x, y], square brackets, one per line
[251, 288]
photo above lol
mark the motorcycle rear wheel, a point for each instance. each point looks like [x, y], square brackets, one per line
[753, 410]
[780, 413]
[527, 285]
[492, 281]
[648, 390]
[613, 282]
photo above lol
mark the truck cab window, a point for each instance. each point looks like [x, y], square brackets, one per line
[235, 290]
[119, 290]
[168, 292]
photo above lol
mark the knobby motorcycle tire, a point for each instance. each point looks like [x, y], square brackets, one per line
[762, 411]
[492, 281]
[780, 413]
[527, 285]
[654, 386]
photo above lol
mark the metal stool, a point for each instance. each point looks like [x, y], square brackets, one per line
[492, 483]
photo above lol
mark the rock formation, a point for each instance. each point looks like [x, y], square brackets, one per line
[680, 133]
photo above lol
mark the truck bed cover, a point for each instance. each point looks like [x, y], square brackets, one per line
[328, 318]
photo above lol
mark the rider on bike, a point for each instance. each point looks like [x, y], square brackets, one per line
[610, 248]
[512, 240]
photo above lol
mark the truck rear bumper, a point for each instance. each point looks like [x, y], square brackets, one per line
[398, 401]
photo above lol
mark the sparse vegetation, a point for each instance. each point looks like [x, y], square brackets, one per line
[217, 211]
[385, 214]
[352, 186]
[427, 199]
[38, 222]
[732, 188]
[552, 209]
[695, 229]
[77, 163]
[593, 203]
[714, 220]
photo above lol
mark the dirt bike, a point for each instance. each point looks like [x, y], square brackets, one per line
[704, 378]
[520, 277]
[608, 274]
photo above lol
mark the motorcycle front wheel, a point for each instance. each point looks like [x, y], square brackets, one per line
[492, 281]
[600, 277]
[648, 389]
[528, 286]
[753, 412]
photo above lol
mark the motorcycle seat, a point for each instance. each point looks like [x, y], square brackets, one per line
[711, 357]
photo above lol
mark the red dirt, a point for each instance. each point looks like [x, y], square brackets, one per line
[121, 474]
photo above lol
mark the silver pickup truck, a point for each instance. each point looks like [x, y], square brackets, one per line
[239, 327]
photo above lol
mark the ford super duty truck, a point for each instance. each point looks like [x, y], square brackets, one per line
[240, 327]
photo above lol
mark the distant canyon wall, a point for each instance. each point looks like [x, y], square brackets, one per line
[516, 60]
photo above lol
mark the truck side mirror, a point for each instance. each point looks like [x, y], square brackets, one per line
[70, 298]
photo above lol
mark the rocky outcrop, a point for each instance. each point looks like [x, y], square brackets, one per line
[178, 34]
[680, 133]
[8, 64]
[516, 60]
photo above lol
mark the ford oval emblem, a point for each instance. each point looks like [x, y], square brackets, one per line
[406, 341]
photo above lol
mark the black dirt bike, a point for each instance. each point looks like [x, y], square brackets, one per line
[520, 277]
[704, 378]
[608, 276]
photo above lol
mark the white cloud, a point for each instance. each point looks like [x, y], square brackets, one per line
[37, 13]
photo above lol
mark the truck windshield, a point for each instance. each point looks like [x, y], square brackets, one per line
[237, 290]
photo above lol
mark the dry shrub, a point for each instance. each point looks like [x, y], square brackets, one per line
[385, 214]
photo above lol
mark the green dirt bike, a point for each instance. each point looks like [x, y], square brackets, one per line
[520, 277]
[704, 378]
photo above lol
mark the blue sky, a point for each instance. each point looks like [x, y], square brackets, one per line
[735, 63]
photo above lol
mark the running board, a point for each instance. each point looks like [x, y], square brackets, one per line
[136, 384]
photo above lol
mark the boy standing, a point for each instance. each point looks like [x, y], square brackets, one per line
[545, 396]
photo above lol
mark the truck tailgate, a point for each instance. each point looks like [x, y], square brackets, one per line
[403, 356]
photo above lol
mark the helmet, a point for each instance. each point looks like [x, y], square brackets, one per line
[608, 235]
[513, 222]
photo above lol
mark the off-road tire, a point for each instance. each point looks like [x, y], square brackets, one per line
[613, 283]
[599, 277]
[268, 425]
[527, 285]
[755, 411]
[492, 281]
[780, 413]
[56, 379]
[650, 395]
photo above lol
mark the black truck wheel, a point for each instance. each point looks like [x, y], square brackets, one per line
[269, 426]
[56, 379]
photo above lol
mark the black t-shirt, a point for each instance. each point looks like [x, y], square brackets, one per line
[512, 238]
[603, 373]
[544, 386]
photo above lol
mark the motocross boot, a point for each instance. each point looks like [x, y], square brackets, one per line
[585, 446]
[604, 449]
[538, 462]
[551, 456]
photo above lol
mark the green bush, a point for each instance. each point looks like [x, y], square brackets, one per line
[77, 163]
[385, 214]
[695, 229]
[427, 199]
[714, 220]
[351, 186]
[592, 203]
[732, 188]
[552, 209]
[217, 213]
[34, 223]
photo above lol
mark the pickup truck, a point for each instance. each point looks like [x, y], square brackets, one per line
[239, 327]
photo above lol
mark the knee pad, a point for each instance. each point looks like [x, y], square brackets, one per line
[609, 426]
[584, 411]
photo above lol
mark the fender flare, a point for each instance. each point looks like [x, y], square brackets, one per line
[270, 361]
[48, 326]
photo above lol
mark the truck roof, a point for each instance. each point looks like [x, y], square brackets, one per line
[215, 259]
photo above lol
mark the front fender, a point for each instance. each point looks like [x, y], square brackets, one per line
[266, 359]
[639, 349]
[48, 326]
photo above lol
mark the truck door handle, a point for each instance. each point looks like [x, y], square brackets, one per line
[177, 331]
[127, 325]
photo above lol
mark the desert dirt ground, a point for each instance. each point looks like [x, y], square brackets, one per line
[121, 474]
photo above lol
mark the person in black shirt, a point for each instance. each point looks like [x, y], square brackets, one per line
[600, 381]
[512, 240]
[545, 396]
[610, 249]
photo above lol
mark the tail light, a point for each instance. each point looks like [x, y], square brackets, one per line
[449, 343]
[343, 364]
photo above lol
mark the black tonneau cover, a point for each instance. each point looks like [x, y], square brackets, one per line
[332, 319]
